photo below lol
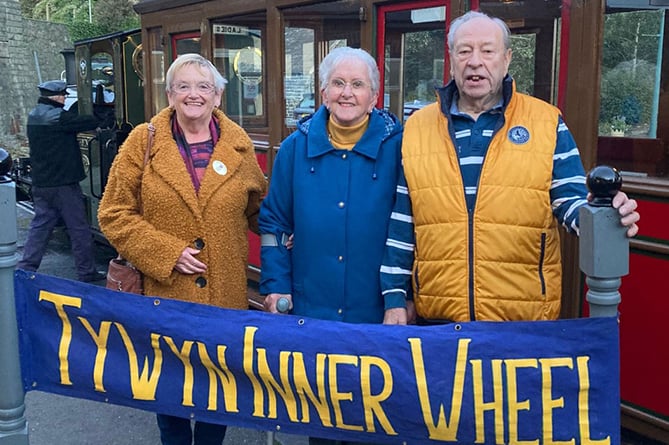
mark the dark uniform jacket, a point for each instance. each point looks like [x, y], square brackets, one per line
[54, 152]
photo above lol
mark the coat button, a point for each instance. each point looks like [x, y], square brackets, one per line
[199, 244]
[341, 204]
[201, 282]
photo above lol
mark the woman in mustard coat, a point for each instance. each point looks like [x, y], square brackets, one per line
[182, 219]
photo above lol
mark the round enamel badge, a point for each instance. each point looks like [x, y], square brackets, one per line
[519, 135]
[220, 168]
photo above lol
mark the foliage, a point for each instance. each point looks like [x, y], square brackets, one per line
[105, 16]
[27, 7]
[83, 30]
[117, 15]
[522, 61]
[62, 11]
[618, 123]
[628, 91]
[630, 34]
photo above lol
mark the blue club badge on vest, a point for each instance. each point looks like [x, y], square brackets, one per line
[519, 135]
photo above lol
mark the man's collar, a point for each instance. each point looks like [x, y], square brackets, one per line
[449, 95]
[455, 111]
[49, 101]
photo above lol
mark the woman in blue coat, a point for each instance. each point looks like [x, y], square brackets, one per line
[333, 188]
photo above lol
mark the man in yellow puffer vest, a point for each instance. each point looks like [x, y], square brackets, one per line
[489, 175]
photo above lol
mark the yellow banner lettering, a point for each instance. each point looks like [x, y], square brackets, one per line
[442, 430]
[60, 301]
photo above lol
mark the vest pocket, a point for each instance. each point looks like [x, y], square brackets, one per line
[542, 254]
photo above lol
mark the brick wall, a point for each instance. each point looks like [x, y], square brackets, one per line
[29, 53]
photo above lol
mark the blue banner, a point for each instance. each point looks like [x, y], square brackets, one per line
[481, 382]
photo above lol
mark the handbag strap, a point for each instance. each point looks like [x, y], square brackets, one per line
[149, 144]
[152, 131]
[147, 154]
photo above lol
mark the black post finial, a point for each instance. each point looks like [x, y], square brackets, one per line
[603, 182]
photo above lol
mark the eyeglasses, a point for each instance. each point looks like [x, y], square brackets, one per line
[340, 85]
[185, 88]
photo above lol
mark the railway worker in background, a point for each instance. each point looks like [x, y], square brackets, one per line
[56, 170]
[183, 218]
[490, 175]
[332, 188]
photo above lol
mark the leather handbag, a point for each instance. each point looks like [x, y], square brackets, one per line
[124, 277]
[121, 274]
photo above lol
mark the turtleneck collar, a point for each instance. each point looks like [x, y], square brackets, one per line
[346, 137]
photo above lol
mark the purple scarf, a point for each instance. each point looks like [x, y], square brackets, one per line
[196, 157]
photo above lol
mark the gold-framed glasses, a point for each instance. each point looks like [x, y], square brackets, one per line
[200, 87]
[356, 85]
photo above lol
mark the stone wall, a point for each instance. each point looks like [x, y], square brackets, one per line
[29, 54]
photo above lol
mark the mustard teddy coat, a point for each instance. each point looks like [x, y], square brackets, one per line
[173, 216]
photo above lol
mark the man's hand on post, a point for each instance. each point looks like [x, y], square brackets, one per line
[628, 214]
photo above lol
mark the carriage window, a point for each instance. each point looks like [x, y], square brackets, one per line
[185, 43]
[415, 48]
[630, 83]
[299, 82]
[311, 32]
[238, 56]
[102, 76]
[630, 92]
